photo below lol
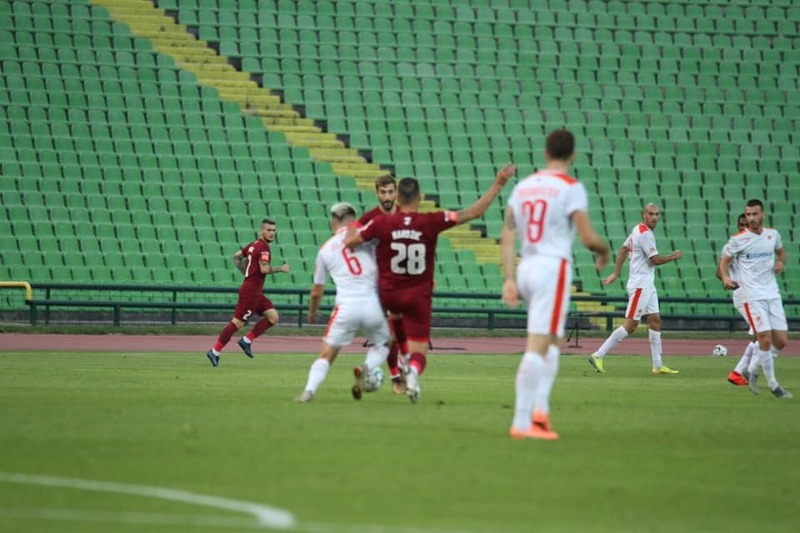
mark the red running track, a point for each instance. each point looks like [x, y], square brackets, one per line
[276, 344]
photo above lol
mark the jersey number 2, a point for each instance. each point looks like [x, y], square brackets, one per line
[535, 211]
[409, 259]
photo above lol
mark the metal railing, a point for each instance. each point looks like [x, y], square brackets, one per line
[181, 302]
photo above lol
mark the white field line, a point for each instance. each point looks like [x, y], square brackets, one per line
[265, 515]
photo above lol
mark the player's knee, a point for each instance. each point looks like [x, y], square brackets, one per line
[272, 316]
[779, 342]
[236, 322]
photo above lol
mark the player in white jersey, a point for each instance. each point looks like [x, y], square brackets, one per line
[759, 254]
[547, 208]
[640, 247]
[357, 308]
[737, 375]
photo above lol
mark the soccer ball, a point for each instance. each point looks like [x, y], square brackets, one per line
[373, 379]
[720, 350]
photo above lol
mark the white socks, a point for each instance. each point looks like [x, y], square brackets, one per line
[655, 347]
[615, 338]
[376, 355]
[550, 371]
[317, 374]
[744, 362]
[765, 357]
[529, 375]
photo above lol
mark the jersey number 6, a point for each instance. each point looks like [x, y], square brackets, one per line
[353, 265]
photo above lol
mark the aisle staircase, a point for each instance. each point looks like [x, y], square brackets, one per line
[214, 70]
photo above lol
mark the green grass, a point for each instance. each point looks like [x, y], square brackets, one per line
[637, 453]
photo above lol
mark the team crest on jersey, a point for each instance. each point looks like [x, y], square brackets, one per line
[406, 220]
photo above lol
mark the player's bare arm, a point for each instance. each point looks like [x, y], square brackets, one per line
[622, 254]
[267, 268]
[238, 260]
[662, 259]
[591, 239]
[510, 295]
[353, 238]
[314, 301]
[724, 268]
[780, 262]
[477, 209]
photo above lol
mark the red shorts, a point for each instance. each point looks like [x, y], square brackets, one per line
[415, 306]
[251, 303]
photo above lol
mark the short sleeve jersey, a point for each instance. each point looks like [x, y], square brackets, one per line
[543, 204]
[641, 245]
[253, 253]
[406, 247]
[755, 257]
[355, 273]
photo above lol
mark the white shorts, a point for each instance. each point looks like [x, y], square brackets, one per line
[350, 317]
[545, 284]
[642, 301]
[738, 303]
[765, 315]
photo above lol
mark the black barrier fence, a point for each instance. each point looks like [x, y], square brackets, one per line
[120, 304]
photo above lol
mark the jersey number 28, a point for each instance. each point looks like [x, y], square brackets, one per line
[409, 259]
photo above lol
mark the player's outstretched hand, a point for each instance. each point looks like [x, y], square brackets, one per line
[676, 255]
[601, 260]
[609, 280]
[284, 267]
[505, 174]
[510, 293]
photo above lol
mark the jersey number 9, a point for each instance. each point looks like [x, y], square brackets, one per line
[535, 211]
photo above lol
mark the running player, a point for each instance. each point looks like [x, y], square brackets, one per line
[405, 253]
[357, 305]
[386, 192]
[737, 376]
[759, 255]
[253, 261]
[640, 247]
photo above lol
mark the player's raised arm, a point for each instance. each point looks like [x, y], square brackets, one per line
[477, 209]
[353, 237]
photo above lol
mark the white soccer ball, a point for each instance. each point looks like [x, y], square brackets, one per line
[720, 350]
[373, 379]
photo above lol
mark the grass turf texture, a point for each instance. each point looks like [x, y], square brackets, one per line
[638, 452]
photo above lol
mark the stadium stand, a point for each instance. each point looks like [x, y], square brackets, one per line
[114, 155]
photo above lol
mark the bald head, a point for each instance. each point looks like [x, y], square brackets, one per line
[650, 215]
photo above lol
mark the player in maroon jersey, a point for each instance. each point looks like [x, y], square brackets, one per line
[386, 192]
[405, 255]
[254, 262]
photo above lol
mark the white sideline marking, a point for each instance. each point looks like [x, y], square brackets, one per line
[129, 517]
[267, 516]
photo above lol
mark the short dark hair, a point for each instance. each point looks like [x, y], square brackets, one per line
[755, 203]
[408, 190]
[740, 217]
[561, 144]
[383, 181]
[267, 221]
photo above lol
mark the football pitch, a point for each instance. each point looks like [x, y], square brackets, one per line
[164, 442]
